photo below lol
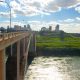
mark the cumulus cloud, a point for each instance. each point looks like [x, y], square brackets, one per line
[3, 4]
[78, 18]
[77, 9]
[66, 3]
[6, 23]
[4, 14]
[70, 27]
[68, 20]
[37, 7]
[7, 14]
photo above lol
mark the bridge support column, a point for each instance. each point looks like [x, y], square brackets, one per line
[2, 64]
[26, 46]
[11, 63]
[22, 58]
[32, 48]
[24, 51]
[18, 60]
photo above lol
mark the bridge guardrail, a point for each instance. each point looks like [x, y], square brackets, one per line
[4, 36]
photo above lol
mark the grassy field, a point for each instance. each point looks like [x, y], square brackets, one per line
[56, 42]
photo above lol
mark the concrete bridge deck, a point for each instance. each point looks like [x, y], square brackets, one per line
[14, 48]
[9, 38]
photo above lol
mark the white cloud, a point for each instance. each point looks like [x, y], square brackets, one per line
[78, 18]
[4, 14]
[37, 7]
[66, 3]
[3, 3]
[6, 10]
[34, 22]
[70, 27]
[7, 14]
[68, 20]
[6, 23]
[77, 9]
[15, 5]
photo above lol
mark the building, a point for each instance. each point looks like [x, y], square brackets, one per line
[28, 27]
[50, 28]
[44, 29]
[25, 27]
[17, 27]
[57, 28]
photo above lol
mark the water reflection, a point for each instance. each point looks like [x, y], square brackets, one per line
[54, 68]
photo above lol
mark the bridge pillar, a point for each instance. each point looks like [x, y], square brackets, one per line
[25, 55]
[2, 64]
[18, 60]
[22, 58]
[26, 46]
[32, 48]
[11, 63]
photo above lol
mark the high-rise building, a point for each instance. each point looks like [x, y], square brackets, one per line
[28, 27]
[25, 28]
[57, 28]
[50, 28]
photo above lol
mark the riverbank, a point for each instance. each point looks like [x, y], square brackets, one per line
[54, 46]
[58, 52]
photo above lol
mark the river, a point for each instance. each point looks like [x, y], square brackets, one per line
[54, 68]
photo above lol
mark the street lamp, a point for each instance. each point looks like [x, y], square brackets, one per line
[10, 11]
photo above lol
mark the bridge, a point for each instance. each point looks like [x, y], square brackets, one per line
[15, 48]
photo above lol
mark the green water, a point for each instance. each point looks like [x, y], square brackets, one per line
[54, 68]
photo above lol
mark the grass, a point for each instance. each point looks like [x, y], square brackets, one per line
[56, 42]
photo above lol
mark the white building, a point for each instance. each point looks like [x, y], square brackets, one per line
[17, 27]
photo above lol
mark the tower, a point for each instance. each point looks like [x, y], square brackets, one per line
[50, 28]
[28, 27]
[57, 28]
[25, 28]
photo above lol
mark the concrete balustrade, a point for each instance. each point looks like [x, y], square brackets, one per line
[4, 36]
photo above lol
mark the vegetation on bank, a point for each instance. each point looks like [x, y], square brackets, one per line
[56, 42]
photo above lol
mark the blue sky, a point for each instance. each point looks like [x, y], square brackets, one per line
[42, 13]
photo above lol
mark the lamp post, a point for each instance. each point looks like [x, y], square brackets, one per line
[10, 12]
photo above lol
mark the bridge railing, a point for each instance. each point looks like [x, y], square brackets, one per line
[4, 36]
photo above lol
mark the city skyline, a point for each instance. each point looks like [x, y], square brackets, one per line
[42, 13]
